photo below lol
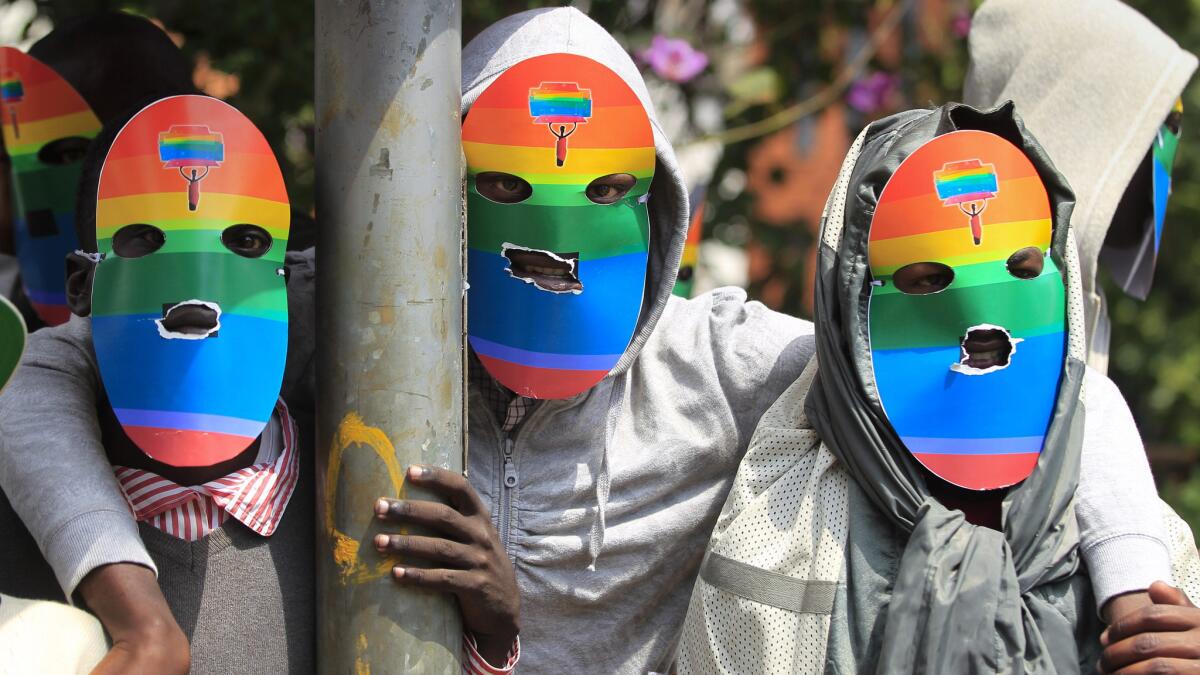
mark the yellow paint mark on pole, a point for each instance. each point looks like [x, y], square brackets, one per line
[354, 431]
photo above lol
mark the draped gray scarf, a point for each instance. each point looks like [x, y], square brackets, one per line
[961, 601]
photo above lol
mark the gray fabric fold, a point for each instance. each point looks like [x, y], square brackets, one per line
[961, 601]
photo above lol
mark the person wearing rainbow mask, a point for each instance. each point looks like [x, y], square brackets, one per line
[1102, 93]
[53, 101]
[909, 504]
[606, 417]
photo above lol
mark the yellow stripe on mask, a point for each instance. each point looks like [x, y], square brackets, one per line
[956, 247]
[36, 134]
[169, 211]
[582, 165]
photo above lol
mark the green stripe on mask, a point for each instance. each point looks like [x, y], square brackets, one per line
[594, 231]
[203, 241]
[1025, 308]
[244, 286]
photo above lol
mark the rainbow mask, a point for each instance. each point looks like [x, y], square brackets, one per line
[190, 335]
[556, 279]
[1133, 267]
[47, 129]
[967, 310]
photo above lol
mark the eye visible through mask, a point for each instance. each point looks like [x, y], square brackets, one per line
[923, 278]
[611, 188]
[503, 188]
[248, 241]
[138, 240]
[64, 151]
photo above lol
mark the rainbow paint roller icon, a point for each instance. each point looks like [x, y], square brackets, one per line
[192, 147]
[12, 92]
[560, 103]
[967, 184]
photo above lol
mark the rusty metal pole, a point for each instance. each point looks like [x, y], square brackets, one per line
[390, 315]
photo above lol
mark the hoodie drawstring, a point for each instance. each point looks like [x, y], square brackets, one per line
[596, 540]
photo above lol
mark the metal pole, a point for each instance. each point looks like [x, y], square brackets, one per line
[390, 315]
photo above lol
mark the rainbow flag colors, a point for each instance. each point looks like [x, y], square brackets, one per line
[12, 340]
[979, 431]
[965, 181]
[555, 102]
[191, 402]
[37, 108]
[686, 277]
[11, 90]
[188, 145]
[535, 342]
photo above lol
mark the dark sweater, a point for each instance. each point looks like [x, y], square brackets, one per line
[246, 602]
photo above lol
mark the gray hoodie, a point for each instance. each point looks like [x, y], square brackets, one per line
[1093, 80]
[617, 488]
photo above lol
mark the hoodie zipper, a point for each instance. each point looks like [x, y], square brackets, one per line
[508, 481]
[509, 478]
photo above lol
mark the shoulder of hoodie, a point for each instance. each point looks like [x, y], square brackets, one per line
[1103, 400]
[722, 326]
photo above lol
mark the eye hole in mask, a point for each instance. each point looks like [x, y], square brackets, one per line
[138, 240]
[1026, 263]
[70, 150]
[504, 188]
[246, 240]
[611, 188]
[923, 278]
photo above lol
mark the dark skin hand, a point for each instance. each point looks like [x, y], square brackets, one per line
[145, 637]
[469, 560]
[1160, 638]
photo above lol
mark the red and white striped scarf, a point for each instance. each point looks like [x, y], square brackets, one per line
[256, 496]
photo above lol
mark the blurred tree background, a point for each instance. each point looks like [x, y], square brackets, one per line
[762, 98]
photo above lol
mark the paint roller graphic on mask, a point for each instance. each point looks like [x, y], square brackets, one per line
[967, 184]
[12, 92]
[560, 103]
[186, 147]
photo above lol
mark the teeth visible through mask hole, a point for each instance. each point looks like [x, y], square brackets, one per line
[189, 320]
[546, 270]
[985, 349]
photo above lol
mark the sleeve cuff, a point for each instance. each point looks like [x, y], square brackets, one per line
[91, 540]
[474, 664]
[1126, 563]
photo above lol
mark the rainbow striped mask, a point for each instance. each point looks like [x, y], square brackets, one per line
[47, 130]
[189, 305]
[557, 261]
[967, 309]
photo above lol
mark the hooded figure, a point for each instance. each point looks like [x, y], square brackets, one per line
[1098, 85]
[602, 498]
[838, 548]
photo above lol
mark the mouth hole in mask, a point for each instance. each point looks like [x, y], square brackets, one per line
[546, 270]
[189, 320]
[985, 349]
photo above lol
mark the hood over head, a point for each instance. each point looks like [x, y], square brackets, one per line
[566, 30]
[961, 600]
[1094, 81]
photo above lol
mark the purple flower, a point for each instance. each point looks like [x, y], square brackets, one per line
[870, 94]
[674, 59]
[961, 23]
